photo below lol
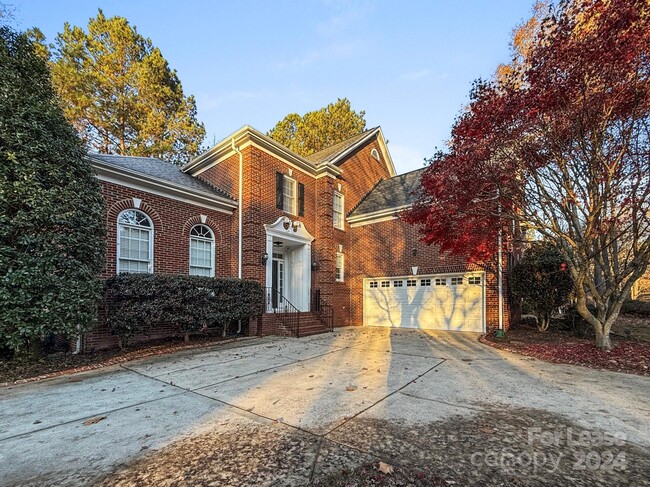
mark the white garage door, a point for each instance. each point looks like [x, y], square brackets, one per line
[436, 302]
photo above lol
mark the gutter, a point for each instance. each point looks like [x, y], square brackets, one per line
[139, 177]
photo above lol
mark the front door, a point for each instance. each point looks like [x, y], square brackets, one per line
[277, 278]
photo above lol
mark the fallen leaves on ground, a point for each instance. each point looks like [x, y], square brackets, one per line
[94, 420]
[351, 388]
[561, 347]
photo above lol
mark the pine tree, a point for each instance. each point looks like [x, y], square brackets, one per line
[121, 95]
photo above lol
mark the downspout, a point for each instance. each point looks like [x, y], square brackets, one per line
[239, 217]
[78, 345]
[500, 331]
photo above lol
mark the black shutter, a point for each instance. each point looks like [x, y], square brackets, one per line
[301, 199]
[279, 190]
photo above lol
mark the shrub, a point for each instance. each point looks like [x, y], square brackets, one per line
[541, 282]
[636, 307]
[51, 209]
[576, 324]
[138, 302]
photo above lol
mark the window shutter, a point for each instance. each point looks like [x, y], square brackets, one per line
[301, 199]
[279, 190]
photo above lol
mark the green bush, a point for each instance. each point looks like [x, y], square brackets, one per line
[52, 237]
[540, 280]
[576, 324]
[636, 307]
[136, 303]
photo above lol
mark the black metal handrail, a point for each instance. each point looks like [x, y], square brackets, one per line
[322, 310]
[288, 314]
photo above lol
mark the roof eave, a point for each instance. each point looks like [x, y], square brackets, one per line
[382, 144]
[242, 136]
[103, 167]
[376, 215]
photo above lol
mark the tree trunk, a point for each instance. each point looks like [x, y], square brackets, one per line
[35, 348]
[603, 342]
[543, 321]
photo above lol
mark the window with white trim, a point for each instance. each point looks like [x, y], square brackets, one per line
[441, 281]
[134, 242]
[398, 283]
[456, 281]
[340, 267]
[374, 284]
[411, 283]
[385, 283]
[474, 280]
[201, 251]
[289, 193]
[338, 211]
[425, 282]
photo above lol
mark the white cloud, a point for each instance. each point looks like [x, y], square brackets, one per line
[415, 75]
[330, 52]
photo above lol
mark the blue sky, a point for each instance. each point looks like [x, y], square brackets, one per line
[409, 65]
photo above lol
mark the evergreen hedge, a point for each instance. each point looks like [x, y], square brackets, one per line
[52, 237]
[137, 303]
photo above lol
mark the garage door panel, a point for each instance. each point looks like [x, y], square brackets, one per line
[430, 302]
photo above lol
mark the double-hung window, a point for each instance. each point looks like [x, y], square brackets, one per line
[338, 211]
[289, 193]
[201, 251]
[340, 267]
[134, 242]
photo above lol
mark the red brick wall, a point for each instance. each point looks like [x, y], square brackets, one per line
[172, 222]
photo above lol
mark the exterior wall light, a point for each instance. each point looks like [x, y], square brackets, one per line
[263, 258]
[314, 266]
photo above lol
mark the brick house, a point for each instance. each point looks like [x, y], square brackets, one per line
[318, 232]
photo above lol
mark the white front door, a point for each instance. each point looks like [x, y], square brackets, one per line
[278, 278]
[437, 302]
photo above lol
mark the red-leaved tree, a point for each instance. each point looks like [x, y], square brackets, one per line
[561, 145]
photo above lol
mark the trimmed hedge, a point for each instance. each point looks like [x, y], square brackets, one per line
[636, 307]
[136, 303]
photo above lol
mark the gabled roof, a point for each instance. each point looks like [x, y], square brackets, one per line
[244, 137]
[333, 151]
[321, 162]
[160, 170]
[336, 153]
[394, 193]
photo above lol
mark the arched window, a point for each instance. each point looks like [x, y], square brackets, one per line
[134, 242]
[201, 251]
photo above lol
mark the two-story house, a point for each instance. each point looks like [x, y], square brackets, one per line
[322, 230]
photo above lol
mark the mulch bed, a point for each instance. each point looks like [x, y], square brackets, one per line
[20, 370]
[629, 356]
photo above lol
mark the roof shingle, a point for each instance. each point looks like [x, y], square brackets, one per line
[159, 169]
[332, 151]
[390, 193]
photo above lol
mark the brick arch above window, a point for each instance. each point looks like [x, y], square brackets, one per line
[133, 203]
[207, 221]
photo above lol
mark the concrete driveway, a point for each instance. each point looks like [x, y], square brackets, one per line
[283, 411]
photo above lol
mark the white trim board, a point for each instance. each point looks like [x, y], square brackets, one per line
[134, 180]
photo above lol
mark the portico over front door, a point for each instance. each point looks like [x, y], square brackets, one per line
[288, 272]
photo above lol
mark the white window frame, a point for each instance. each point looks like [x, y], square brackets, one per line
[340, 267]
[338, 215]
[212, 249]
[151, 231]
[289, 204]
